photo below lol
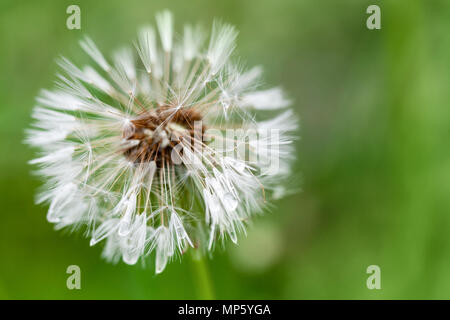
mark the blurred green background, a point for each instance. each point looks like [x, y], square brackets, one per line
[374, 155]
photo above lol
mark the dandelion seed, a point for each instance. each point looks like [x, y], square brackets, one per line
[139, 151]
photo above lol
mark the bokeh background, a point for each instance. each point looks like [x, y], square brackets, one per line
[374, 154]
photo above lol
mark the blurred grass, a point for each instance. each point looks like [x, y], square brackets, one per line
[374, 153]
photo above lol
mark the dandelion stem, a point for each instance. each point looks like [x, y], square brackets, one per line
[202, 278]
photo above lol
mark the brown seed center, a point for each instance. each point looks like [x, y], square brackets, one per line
[158, 131]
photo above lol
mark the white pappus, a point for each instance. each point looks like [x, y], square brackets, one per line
[163, 148]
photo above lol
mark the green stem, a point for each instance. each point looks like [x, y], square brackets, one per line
[202, 277]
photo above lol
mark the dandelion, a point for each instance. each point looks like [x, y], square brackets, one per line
[162, 148]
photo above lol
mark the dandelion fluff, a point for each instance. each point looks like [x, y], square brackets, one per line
[161, 149]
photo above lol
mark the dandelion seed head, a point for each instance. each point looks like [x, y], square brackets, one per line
[166, 148]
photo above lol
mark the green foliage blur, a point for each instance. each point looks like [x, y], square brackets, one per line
[373, 155]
